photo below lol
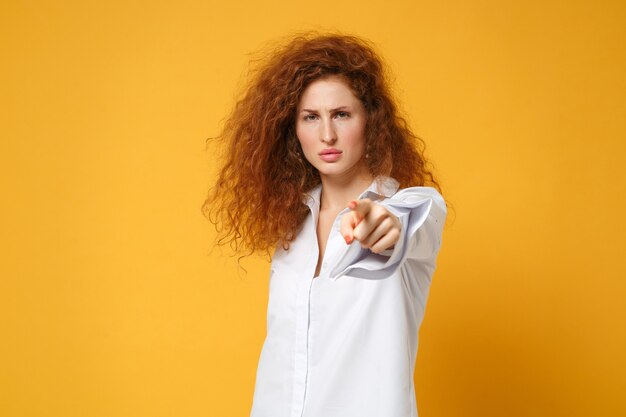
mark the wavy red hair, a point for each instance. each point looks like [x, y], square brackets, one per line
[258, 195]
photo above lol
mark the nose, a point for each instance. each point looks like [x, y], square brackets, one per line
[328, 132]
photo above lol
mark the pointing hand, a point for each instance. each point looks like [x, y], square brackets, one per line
[371, 224]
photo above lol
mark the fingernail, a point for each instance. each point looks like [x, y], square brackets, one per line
[348, 239]
[352, 204]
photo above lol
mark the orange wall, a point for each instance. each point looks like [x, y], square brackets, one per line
[112, 305]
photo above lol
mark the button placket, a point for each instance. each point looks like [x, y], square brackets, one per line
[301, 355]
[332, 245]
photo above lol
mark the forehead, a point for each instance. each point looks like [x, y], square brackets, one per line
[328, 89]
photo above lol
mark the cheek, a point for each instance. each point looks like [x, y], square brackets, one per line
[304, 137]
[357, 137]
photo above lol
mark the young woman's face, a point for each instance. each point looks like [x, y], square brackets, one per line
[331, 119]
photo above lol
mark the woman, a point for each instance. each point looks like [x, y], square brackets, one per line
[321, 167]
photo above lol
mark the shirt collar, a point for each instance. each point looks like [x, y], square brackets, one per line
[381, 187]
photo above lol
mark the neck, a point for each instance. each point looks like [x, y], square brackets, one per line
[338, 191]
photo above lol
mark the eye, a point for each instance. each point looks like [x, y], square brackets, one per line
[310, 116]
[343, 114]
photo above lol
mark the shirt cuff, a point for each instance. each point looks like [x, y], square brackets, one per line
[421, 212]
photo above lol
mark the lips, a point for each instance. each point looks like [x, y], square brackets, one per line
[329, 151]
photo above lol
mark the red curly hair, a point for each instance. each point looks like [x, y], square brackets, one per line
[258, 196]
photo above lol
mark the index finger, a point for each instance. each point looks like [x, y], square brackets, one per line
[361, 207]
[358, 211]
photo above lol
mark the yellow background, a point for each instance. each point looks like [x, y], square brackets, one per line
[111, 303]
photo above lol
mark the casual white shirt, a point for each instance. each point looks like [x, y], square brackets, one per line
[344, 344]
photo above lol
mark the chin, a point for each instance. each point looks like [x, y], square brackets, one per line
[335, 171]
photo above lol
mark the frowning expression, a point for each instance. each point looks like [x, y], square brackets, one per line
[330, 125]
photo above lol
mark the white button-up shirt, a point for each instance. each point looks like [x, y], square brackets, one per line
[344, 344]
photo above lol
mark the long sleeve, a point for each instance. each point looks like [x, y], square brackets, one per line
[422, 213]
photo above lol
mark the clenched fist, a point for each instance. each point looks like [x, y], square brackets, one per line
[371, 224]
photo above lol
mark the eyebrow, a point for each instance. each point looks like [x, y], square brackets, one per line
[332, 110]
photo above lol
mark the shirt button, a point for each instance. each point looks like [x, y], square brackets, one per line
[324, 265]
